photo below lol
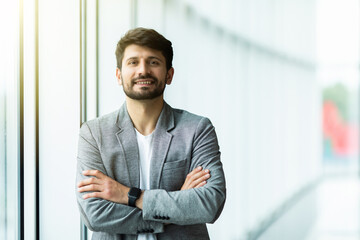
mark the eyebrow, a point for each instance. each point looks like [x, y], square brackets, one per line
[150, 58]
[153, 57]
[131, 58]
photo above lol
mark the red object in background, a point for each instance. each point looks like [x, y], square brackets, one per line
[343, 136]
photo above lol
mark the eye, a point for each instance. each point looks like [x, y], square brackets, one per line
[154, 62]
[132, 62]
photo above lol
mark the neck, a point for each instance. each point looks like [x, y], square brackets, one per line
[145, 113]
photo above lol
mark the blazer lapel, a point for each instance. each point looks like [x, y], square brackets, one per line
[128, 144]
[161, 143]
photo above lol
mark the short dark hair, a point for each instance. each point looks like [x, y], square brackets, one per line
[147, 38]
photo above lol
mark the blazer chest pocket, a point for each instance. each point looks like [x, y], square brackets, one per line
[173, 175]
[174, 164]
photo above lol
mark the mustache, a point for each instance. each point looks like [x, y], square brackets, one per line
[147, 76]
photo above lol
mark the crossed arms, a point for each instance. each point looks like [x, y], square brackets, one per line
[104, 187]
[103, 201]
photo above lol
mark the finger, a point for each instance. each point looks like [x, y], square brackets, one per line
[193, 176]
[199, 179]
[200, 184]
[196, 170]
[90, 188]
[199, 175]
[95, 173]
[190, 177]
[92, 195]
[88, 181]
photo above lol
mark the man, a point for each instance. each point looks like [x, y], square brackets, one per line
[144, 170]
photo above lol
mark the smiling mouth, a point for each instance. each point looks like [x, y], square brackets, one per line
[144, 82]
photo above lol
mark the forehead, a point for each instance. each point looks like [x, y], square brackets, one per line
[136, 51]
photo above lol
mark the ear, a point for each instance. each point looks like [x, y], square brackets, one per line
[169, 76]
[118, 76]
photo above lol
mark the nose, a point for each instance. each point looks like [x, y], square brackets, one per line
[143, 68]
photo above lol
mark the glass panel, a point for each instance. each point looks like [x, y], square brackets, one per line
[59, 117]
[2, 159]
[9, 120]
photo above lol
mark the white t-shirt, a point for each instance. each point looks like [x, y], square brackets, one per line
[145, 144]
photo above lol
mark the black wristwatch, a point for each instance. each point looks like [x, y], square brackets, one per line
[133, 194]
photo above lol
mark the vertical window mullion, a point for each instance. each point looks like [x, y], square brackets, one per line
[83, 96]
[37, 155]
[97, 56]
[20, 166]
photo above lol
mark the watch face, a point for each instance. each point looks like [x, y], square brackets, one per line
[134, 192]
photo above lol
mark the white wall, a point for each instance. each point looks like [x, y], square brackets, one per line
[114, 21]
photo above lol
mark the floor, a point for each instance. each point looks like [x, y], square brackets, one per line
[331, 211]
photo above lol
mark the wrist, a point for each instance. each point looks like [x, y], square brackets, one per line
[125, 197]
[139, 201]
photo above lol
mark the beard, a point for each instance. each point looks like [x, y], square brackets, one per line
[145, 93]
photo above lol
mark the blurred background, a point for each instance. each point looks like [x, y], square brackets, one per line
[279, 80]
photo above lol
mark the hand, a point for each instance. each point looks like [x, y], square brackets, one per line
[196, 178]
[102, 186]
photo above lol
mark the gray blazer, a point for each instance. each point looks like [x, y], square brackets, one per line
[182, 141]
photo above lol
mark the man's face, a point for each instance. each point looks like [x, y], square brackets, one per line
[143, 74]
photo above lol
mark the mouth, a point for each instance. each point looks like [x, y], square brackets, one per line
[144, 82]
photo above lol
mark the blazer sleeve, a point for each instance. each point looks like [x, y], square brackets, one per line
[198, 205]
[99, 214]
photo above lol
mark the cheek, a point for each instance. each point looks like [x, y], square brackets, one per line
[126, 76]
[162, 77]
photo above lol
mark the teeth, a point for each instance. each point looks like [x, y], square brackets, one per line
[145, 82]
